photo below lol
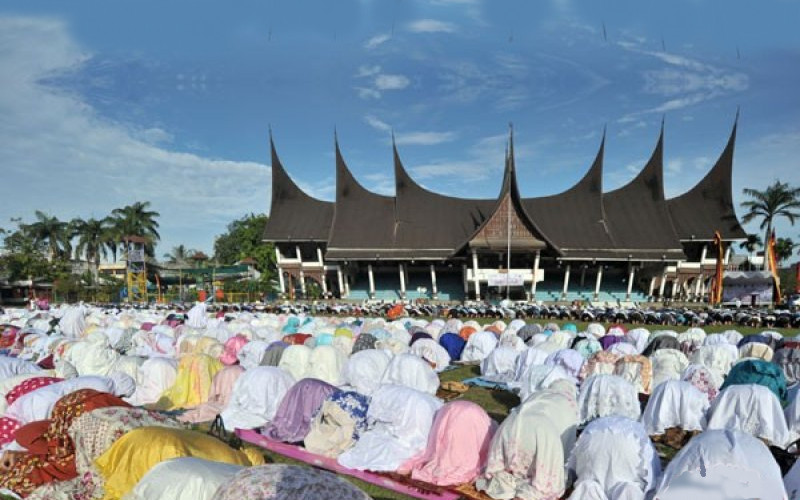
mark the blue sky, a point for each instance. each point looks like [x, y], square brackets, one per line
[105, 103]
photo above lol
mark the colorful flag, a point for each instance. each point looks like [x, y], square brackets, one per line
[772, 261]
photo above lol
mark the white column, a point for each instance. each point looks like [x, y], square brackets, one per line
[535, 272]
[598, 281]
[698, 282]
[630, 283]
[347, 287]
[342, 293]
[475, 275]
[674, 287]
[278, 257]
[298, 254]
[652, 286]
[662, 284]
[281, 282]
[727, 255]
[319, 255]
[583, 275]
[324, 283]
[402, 281]
[302, 282]
[566, 282]
[466, 281]
[704, 253]
[371, 281]
[434, 289]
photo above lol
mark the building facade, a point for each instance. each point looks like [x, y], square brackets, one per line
[626, 245]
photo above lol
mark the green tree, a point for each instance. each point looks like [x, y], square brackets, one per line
[752, 242]
[55, 233]
[137, 220]
[778, 200]
[784, 249]
[244, 239]
[24, 257]
[180, 255]
[91, 242]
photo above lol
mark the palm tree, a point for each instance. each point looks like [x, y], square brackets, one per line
[91, 234]
[180, 255]
[137, 220]
[752, 242]
[778, 200]
[48, 229]
[784, 249]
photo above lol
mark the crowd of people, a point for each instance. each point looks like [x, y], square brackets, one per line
[107, 403]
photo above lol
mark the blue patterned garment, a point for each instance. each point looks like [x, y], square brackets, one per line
[356, 405]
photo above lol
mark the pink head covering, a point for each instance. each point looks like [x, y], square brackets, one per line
[232, 347]
[458, 446]
[146, 326]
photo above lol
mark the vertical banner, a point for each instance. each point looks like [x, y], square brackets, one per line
[716, 285]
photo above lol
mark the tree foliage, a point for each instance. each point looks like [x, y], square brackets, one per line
[778, 200]
[242, 240]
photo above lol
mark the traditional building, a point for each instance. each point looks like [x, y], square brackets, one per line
[626, 245]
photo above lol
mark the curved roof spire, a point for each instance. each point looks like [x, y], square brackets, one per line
[709, 206]
[637, 216]
[575, 218]
[364, 224]
[294, 215]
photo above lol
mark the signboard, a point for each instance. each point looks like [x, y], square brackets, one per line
[136, 255]
[503, 279]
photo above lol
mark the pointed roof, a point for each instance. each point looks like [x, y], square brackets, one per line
[363, 222]
[430, 220]
[575, 218]
[708, 206]
[294, 215]
[508, 211]
[637, 216]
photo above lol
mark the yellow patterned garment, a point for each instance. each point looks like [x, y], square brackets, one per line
[138, 451]
[193, 383]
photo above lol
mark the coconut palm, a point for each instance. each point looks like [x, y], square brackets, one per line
[91, 241]
[784, 249]
[137, 220]
[55, 233]
[180, 255]
[778, 200]
[752, 242]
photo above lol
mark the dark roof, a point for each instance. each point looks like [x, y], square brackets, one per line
[362, 220]
[433, 221]
[574, 219]
[525, 232]
[294, 215]
[637, 216]
[708, 206]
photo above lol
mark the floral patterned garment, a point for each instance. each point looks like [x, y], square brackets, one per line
[51, 455]
[338, 424]
[287, 482]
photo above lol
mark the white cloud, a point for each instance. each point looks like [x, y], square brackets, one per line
[483, 161]
[391, 82]
[380, 183]
[377, 124]
[431, 26]
[377, 40]
[365, 71]
[424, 138]
[61, 156]
[368, 93]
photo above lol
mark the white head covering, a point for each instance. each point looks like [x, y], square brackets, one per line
[639, 338]
[675, 403]
[500, 363]
[364, 370]
[155, 376]
[197, 316]
[410, 371]
[668, 364]
[750, 408]
[38, 404]
[726, 463]
[528, 358]
[432, 352]
[294, 361]
[607, 395]
[613, 451]
[479, 345]
[401, 420]
[326, 364]
[540, 377]
[123, 384]
[256, 396]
